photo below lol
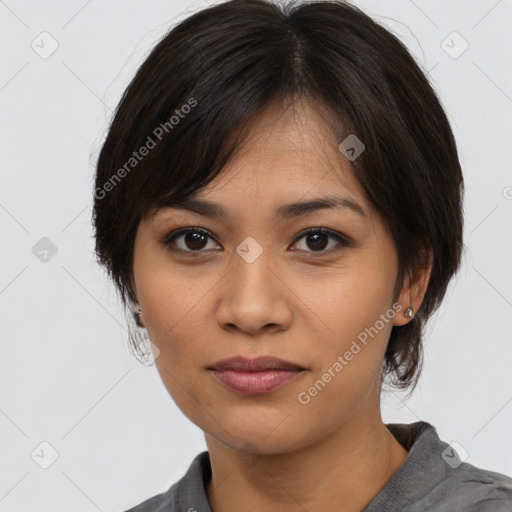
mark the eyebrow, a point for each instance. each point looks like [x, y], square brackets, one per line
[286, 211]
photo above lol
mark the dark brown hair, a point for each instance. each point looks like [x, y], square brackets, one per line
[184, 115]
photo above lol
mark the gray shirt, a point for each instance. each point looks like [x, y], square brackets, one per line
[432, 478]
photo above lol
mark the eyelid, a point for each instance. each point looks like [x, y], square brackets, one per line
[343, 240]
[170, 237]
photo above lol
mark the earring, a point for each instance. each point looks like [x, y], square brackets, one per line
[136, 315]
[140, 345]
[409, 312]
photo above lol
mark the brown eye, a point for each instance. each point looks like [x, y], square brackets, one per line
[317, 239]
[194, 240]
[191, 240]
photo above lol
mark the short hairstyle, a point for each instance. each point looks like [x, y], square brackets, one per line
[186, 110]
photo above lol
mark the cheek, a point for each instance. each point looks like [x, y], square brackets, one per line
[349, 299]
[175, 312]
[174, 323]
[171, 298]
[351, 306]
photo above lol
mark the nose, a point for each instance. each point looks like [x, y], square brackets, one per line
[254, 297]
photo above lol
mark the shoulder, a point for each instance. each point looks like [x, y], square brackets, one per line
[463, 486]
[186, 495]
[483, 489]
[435, 477]
[159, 503]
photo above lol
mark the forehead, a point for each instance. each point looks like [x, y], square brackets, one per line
[288, 163]
[288, 134]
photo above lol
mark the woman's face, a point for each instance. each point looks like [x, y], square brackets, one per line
[256, 285]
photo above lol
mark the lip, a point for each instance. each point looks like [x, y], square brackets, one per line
[262, 363]
[255, 376]
[256, 383]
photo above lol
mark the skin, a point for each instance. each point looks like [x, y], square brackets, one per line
[296, 302]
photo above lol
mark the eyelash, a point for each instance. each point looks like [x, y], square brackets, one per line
[170, 238]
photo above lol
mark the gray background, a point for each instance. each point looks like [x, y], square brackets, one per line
[66, 375]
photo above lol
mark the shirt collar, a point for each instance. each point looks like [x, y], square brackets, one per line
[420, 438]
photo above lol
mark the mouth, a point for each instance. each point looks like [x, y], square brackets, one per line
[255, 376]
[256, 382]
[258, 364]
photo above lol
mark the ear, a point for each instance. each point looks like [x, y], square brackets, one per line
[138, 316]
[134, 286]
[414, 289]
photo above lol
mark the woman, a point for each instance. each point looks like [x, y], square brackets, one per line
[279, 198]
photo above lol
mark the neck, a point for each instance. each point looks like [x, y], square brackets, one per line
[344, 471]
